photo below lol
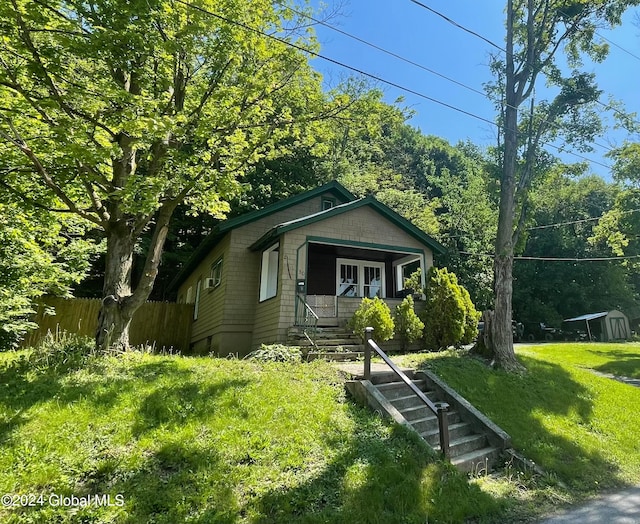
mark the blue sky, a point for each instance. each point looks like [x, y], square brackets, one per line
[415, 33]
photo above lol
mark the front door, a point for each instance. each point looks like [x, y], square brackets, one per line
[360, 278]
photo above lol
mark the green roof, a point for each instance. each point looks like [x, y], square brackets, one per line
[218, 233]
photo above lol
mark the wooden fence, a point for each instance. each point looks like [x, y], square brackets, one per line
[163, 324]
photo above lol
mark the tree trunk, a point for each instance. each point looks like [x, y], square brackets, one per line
[120, 302]
[115, 316]
[503, 262]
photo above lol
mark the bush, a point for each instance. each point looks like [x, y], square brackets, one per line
[276, 353]
[61, 351]
[373, 313]
[450, 317]
[408, 326]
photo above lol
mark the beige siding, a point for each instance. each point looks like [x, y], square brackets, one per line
[231, 319]
[360, 225]
[211, 308]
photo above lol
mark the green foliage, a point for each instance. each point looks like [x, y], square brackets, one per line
[61, 352]
[216, 441]
[118, 112]
[414, 281]
[35, 258]
[472, 317]
[373, 312]
[545, 291]
[450, 317]
[576, 425]
[276, 353]
[408, 326]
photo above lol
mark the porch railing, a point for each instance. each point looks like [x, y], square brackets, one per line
[307, 319]
[439, 409]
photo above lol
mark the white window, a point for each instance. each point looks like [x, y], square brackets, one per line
[189, 295]
[216, 272]
[197, 303]
[360, 278]
[269, 273]
[404, 268]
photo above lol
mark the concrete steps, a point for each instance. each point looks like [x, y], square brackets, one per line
[470, 451]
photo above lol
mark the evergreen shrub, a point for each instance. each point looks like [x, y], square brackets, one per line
[373, 312]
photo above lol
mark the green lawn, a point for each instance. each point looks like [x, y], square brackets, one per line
[214, 441]
[580, 427]
[219, 441]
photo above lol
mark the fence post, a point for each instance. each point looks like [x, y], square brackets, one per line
[443, 427]
[368, 335]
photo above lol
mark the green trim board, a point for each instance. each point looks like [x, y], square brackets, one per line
[275, 232]
[364, 245]
[217, 234]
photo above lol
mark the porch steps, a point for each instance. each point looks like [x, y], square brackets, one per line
[470, 450]
[331, 343]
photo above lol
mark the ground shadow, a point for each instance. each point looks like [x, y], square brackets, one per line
[626, 364]
[173, 404]
[373, 480]
[527, 406]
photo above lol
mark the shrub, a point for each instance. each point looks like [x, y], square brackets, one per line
[414, 282]
[472, 318]
[408, 326]
[276, 353]
[450, 317]
[373, 313]
[61, 351]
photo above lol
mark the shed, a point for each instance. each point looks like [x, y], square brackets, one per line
[605, 326]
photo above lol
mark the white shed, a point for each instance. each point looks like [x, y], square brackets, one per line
[605, 326]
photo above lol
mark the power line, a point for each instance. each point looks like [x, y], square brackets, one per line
[619, 47]
[386, 51]
[556, 259]
[558, 224]
[370, 75]
[416, 64]
[456, 24]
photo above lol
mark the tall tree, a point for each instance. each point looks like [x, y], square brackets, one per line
[121, 110]
[536, 32]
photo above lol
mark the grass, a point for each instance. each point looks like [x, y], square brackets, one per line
[581, 428]
[219, 441]
[212, 441]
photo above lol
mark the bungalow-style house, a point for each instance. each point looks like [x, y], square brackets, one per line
[257, 275]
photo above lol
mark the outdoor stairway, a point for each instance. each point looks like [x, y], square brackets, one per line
[470, 450]
[331, 343]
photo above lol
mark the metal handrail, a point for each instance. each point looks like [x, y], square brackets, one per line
[438, 408]
[308, 318]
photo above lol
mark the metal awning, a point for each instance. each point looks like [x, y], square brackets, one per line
[590, 316]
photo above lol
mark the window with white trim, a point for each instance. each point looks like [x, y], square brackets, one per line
[360, 278]
[197, 302]
[404, 268]
[216, 272]
[269, 272]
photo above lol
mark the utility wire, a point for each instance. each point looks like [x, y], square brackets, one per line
[619, 47]
[556, 259]
[416, 64]
[558, 224]
[456, 24]
[502, 49]
[372, 76]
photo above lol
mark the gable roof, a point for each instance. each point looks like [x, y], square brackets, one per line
[219, 231]
[274, 233]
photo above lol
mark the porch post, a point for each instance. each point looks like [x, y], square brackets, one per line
[368, 335]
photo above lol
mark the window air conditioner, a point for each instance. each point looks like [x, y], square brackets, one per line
[209, 283]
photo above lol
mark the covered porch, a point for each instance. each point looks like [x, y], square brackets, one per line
[339, 274]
